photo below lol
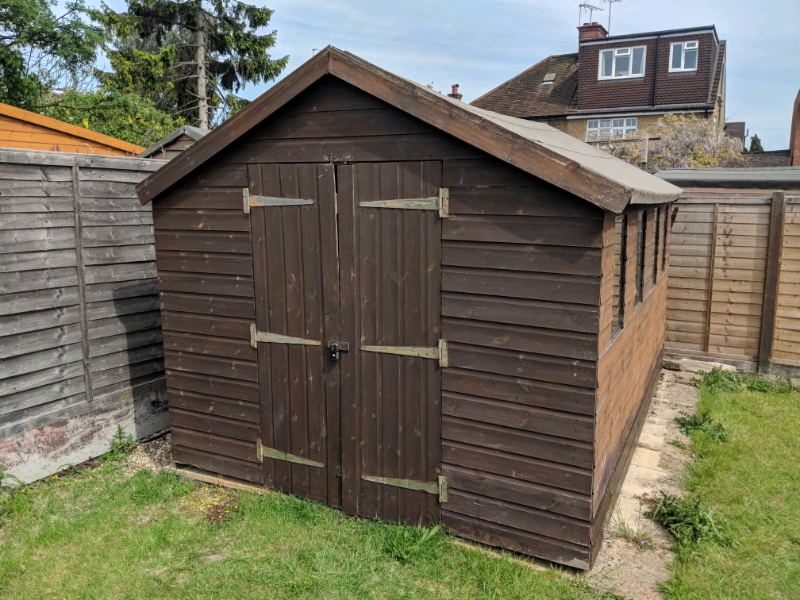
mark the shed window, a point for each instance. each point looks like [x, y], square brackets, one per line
[656, 231]
[683, 57]
[610, 128]
[641, 226]
[618, 300]
[622, 63]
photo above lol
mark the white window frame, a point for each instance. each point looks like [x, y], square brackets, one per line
[682, 49]
[605, 129]
[627, 51]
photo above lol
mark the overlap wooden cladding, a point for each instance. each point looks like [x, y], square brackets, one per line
[365, 304]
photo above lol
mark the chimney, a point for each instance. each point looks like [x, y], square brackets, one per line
[794, 135]
[591, 31]
[454, 93]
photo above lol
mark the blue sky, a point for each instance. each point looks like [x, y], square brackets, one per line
[481, 44]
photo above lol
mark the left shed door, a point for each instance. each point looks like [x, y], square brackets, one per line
[296, 272]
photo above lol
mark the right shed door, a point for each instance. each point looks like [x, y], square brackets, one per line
[390, 260]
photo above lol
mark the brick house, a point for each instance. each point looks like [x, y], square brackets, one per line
[618, 85]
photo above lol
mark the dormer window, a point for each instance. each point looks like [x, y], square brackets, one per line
[622, 63]
[549, 78]
[682, 57]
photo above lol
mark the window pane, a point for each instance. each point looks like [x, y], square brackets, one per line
[690, 59]
[630, 123]
[619, 122]
[608, 59]
[638, 61]
[619, 132]
[605, 123]
[623, 66]
[677, 54]
[592, 124]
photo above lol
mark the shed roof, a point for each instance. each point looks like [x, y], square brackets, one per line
[85, 140]
[196, 133]
[785, 178]
[536, 148]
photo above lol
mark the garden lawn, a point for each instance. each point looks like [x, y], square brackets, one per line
[101, 534]
[753, 482]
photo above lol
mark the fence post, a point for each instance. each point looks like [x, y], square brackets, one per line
[76, 206]
[769, 308]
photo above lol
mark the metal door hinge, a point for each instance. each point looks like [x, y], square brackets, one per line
[263, 452]
[437, 352]
[275, 338]
[440, 203]
[438, 488]
[254, 200]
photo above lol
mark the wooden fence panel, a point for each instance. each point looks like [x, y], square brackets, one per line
[80, 336]
[786, 340]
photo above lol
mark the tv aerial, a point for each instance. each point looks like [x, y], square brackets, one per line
[584, 8]
[610, 4]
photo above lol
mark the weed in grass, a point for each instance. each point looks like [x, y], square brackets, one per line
[408, 544]
[755, 383]
[121, 445]
[679, 444]
[631, 533]
[147, 488]
[222, 512]
[720, 380]
[784, 385]
[689, 519]
[702, 421]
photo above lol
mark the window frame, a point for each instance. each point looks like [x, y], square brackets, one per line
[664, 242]
[611, 127]
[682, 46]
[656, 242]
[641, 243]
[623, 267]
[613, 76]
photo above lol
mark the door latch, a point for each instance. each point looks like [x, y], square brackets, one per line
[337, 348]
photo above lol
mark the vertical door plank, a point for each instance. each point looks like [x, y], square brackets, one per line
[259, 235]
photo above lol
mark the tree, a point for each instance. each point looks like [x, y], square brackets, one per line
[676, 141]
[755, 144]
[39, 50]
[192, 56]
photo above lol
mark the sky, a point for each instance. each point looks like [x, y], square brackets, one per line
[481, 44]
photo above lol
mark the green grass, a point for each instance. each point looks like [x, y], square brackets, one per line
[753, 484]
[100, 534]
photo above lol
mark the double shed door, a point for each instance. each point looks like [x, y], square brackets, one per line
[364, 431]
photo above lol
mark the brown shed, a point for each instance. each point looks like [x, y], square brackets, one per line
[392, 302]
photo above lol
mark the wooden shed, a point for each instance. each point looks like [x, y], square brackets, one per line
[30, 131]
[176, 142]
[389, 301]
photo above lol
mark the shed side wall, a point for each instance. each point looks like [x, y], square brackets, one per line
[625, 370]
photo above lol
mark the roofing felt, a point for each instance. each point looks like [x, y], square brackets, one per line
[535, 148]
[195, 133]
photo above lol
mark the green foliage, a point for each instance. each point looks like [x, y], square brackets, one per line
[6, 477]
[409, 544]
[154, 52]
[758, 384]
[702, 421]
[755, 144]
[784, 385]
[125, 116]
[720, 380]
[39, 50]
[690, 520]
[121, 445]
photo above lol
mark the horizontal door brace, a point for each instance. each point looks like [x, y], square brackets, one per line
[276, 338]
[263, 452]
[254, 200]
[438, 488]
[437, 352]
[440, 203]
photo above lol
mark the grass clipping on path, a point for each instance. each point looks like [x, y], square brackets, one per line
[100, 534]
[752, 482]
